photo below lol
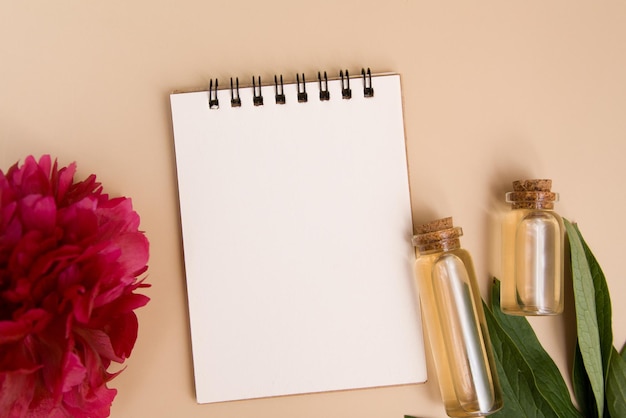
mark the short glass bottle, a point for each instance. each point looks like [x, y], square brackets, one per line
[533, 240]
[455, 322]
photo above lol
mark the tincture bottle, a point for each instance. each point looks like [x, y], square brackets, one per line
[533, 240]
[455, 321]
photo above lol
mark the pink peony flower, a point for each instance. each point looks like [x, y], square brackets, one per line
[70, 261]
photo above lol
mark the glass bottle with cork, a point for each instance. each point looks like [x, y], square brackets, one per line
[455, 321]
[533, 239]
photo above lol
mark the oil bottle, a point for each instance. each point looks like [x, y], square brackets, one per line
[533, 239]
[455, 321]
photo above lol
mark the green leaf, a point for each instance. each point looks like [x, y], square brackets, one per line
[616, 385]
[543, 379]
[521, 396]
[582, 387]
[547, 379]
[603, 304]
[623, 352]
[586, 317]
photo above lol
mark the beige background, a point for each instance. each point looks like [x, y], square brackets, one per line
[493, 91]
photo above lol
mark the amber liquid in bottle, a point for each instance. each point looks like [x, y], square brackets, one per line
[533, 245]
[457, 330]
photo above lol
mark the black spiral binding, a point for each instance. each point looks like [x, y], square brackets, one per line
[214, 103]
[346, 91]
[368, 90]
[279, 93]
[324, 93]
[235, 100]
[257, 99]
[302, 96]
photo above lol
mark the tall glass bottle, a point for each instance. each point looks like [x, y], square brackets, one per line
[533, 239]
[455, 321]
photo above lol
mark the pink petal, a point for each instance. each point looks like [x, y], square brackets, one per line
[100, 342]
[135, 252]
[33, 177]
[123, 334]
[80, 190]
[76, 297]
[56, 262]
[65, 177]
[79, 221]
[55, 346]
[25, 252]
[117, 217]
[73, 372]
[88, 402]
[127, 303]
[38, 212]
[7, 213]
[12, 331]
[16, 393]
[45, 163]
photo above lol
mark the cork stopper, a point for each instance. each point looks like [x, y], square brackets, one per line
[434, 226]
[532, 194]
[437, 235]
[536, 185]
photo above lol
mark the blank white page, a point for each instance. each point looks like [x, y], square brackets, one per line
[296, 225]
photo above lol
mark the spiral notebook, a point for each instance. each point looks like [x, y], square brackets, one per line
[296, 225]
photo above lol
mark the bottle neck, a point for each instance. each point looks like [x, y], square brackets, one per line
[446, 239]
[439, 246]
[543, 200]
[533, 205]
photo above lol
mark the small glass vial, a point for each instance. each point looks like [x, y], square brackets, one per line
[455, 321]
[533, 239]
